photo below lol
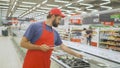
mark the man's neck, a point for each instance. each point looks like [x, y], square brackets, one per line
[48, 22]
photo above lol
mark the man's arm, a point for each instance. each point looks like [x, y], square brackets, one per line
[25, 43]
[70, 51]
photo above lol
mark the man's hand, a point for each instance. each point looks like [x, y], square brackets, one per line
[45, 47]
[79, 56]
[70, 51]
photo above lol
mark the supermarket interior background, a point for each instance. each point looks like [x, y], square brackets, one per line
[100, 17]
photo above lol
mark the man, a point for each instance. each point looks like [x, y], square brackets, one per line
[84, 41]
[40, 39]
[89, 35]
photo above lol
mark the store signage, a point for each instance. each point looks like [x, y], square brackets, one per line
[108, 23]
[91, 20]
[115, 16]
[75, 21]
[106, 17]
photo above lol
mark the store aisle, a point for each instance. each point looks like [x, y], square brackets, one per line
[8, 55]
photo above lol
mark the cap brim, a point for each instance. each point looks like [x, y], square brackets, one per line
[62, 15]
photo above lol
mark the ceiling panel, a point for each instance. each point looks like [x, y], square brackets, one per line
[24, 8]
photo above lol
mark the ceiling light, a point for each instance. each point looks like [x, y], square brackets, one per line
[61, 1]
[24, 6]
[79, 0]
[3, 7]
[13, 6]
[74, 8]
[60, 7]
[90, 9]
[29, 11]
[106, 0]
[38, 5]
[77, 10]
[3, 4]
[52, 5]
[71, 7]
[105, 3]
[44, 1]
[107, 7]
[33, 8]
[64, 10]
[28, 3]
[9, 14]
[68, 4]
[44, 8]
[68, 11]
[41, 10]
[89, 5]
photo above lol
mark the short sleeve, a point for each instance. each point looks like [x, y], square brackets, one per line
[58, 40]
[30, 32]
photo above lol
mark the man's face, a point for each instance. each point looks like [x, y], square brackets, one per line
[56, 21]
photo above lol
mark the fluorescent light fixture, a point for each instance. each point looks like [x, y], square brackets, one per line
[74, 8]
[3, 7]
[24, 6]
[71, 7]
[19, 10]
[5, 0]
[68, 11]
[33, 8]
[3, 4]
[107, 7]
[29, 11]
[77, 10]
[38, 5]
[64, 10]
[61, 1]
[41, 10]
[79, 0]
[60, 7]
[105, 3]
[91, 9]
[28, 2]
[9, 14]
[68, 4]
[106, 0]
[44, 1]
[44, 8]
[13, 6]
[95, 11]
[52, 5]
[89, 5]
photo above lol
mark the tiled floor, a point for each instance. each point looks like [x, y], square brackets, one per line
[8, 55]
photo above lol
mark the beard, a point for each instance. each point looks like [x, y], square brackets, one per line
[54, 23]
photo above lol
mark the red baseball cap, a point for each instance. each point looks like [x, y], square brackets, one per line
[56, 11]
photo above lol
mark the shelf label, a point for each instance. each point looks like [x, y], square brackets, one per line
[75, 21]
[108, 23]
[115, 16]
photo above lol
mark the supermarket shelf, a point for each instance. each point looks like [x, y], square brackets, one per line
[99, 52]
[62, 65]
[60, 62]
